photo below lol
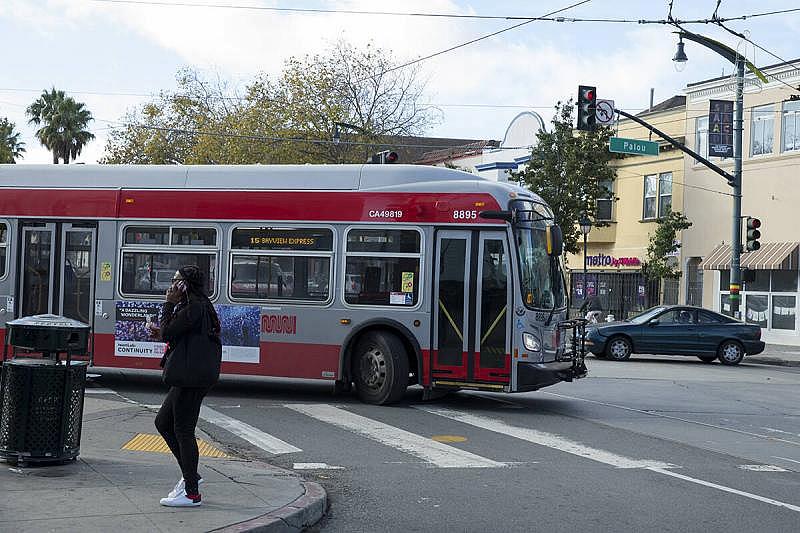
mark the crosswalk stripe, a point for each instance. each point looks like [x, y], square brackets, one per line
[254, 436]
[424, 448]
[544, 439]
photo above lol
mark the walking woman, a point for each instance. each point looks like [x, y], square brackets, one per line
[190, 326]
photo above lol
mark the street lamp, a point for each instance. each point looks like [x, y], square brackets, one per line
[680, 58]
[586, 226]
[740, 62]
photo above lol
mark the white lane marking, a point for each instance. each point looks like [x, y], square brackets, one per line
[92, 390]
[661, 415]
[315, 466]
[762, 468]
[773, 430]
[254, 436]
[545, 439]
[786, 459]
[728, 489]
[421, 447]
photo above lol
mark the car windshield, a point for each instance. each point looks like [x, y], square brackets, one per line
[647, 315]
[541, 276]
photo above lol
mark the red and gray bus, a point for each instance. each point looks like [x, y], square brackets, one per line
[378, 276]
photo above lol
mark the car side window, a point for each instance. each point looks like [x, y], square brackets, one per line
[708, 318]
[677, 316]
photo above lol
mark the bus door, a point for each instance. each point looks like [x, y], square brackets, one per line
[471, 319]
[57, 270]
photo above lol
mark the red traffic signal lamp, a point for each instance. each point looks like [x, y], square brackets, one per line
[753, 234]
[384, 157]
[587, 107]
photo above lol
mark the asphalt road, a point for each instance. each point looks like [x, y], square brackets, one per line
[647, 444]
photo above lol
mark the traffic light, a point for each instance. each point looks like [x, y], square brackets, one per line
[753, 234]
[384, 158]
[587, 105]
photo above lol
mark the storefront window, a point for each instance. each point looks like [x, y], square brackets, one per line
[760, 283]
[783, 312]
[756, 309]
[725, 304]
[784, 280]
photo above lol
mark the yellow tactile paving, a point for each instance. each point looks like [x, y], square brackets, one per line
[146, 442]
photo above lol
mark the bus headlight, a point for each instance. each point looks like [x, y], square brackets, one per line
[531, 343]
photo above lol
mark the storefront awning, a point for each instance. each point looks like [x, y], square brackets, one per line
[771, 256]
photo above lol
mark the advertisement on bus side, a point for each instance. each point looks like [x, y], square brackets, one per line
[240, 331]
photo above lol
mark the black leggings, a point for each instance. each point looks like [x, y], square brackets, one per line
[176, 421]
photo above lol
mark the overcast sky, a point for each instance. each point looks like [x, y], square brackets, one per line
[112, 55]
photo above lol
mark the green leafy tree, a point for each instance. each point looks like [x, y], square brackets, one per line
[270, 121]
[567, 169]
[11, 148]
[62, 124]
[659, 263]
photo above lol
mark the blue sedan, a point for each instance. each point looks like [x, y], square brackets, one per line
[676, 330]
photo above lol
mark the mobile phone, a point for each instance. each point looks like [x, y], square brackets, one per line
[181, 286]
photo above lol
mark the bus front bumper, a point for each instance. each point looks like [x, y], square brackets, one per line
[534, 376]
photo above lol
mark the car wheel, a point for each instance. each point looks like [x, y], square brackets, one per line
[707, 358]
[380, 368]
[619, 349]
[731, 353]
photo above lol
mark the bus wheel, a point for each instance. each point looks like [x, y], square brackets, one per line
[380, 368]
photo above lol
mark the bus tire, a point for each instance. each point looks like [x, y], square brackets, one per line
[380, 368]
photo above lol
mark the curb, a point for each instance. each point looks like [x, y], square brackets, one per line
[773, 361]
[293, 518]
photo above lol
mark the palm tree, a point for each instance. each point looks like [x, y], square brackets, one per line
[11, 147]
[63, 124]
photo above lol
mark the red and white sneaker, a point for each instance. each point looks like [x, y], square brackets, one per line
[182, 500]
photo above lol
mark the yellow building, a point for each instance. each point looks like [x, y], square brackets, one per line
[645, 187]
[770, 192]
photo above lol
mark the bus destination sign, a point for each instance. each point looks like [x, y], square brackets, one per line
[318, 239]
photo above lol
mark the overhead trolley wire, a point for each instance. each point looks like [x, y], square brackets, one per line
[545, 18]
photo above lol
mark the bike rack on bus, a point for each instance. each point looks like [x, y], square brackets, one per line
[575, 346]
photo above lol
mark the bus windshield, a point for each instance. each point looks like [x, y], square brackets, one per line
[541, 278]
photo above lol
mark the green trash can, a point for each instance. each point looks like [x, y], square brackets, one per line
[41, 395]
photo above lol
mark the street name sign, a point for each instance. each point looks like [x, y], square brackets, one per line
[632, 146]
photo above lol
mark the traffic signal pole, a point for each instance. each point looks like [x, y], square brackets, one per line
[736, 233]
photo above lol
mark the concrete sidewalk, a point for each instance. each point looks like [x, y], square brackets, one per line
[776, 354]
[109, 488]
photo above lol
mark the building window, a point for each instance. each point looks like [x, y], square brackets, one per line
[382, 267]
[657, 195]
[664, 193]
[791, 126]
[762, 130]
[281, 264]
[3, 246]
[152, 254]
[650, 196]
[701, 136]
[605, 201]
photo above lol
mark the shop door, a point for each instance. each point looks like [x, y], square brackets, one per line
[57, 265]
[471, 323]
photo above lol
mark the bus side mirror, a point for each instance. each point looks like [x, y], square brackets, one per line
[497, 215]
[555, 240]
